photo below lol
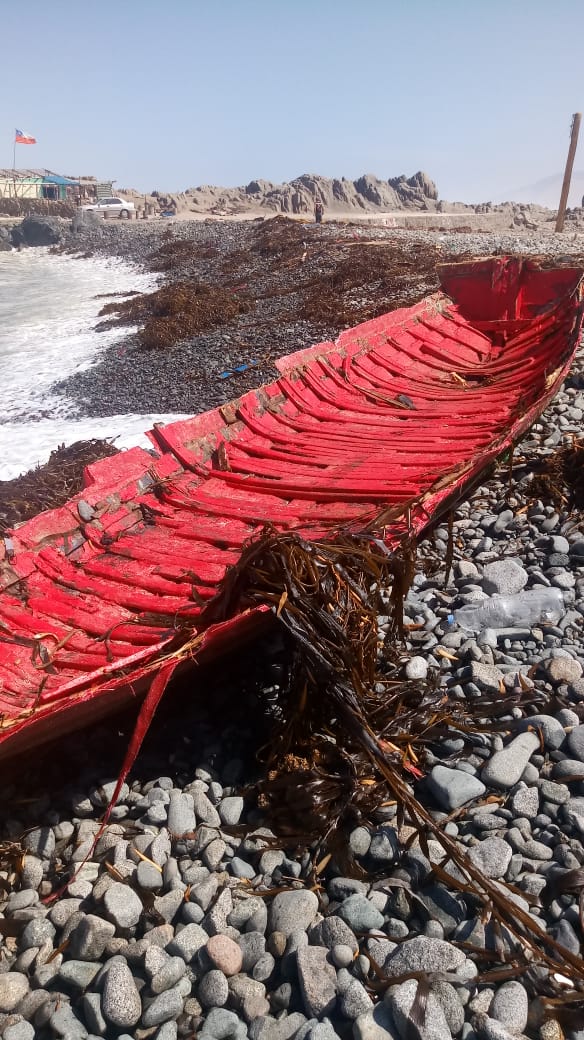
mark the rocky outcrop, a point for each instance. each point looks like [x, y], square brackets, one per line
[5, 239]
[366, 194]
[37, 231]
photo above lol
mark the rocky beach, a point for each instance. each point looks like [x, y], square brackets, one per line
[201, 911]
[296, 284]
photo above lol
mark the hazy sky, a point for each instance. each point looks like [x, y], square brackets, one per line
[479, 93]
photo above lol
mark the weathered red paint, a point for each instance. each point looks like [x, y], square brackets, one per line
[381, 430]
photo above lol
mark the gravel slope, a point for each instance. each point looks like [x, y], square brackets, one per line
[187, 377]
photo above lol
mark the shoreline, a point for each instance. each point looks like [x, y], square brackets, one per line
[186, 377]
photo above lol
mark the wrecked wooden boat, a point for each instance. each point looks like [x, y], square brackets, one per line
[379, 433]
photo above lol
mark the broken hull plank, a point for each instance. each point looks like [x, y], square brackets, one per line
[381, 432]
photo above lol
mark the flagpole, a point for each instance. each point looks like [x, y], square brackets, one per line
[14, 156]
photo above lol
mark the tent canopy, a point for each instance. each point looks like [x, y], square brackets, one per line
[55, 178]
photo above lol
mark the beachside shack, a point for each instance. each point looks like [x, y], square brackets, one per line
[15, 184]
[57, 188]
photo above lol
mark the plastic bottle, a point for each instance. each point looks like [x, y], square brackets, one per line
[519, 611]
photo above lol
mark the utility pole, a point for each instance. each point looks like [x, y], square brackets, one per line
[576, 119]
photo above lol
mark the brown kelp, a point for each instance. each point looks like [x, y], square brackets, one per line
[50, 485]
[559, 479]
[350, 735]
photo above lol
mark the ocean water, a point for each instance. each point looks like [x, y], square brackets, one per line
[48, 313]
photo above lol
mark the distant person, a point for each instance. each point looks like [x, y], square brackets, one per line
[583, 202]
[318, 212]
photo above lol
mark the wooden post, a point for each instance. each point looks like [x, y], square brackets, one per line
[576, 119]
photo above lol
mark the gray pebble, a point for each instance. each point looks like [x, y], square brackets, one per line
[504, 577]
[230, 810]
[188, 942]
[79, 973]
[89, 938]
[13, 989]
[355, 1000]
[424, 954]
[359, 841]
[92, 1013]
[317, 979]
[36, 933]
[40, 842]
[221, 1024]
[64, 1023]
[165, 1006]
[416, 668]
[292, 910]
[342, 956]
[360, 914]
[492, 856]
[122, 905]
[510, 1006]
[213, 990]
[181, 815]
[377, 1024]
[505, 767]
[168, 974]
[453, 787]
[485, 676]
[19, 1031]
[121, 1004]
[401, 999]
[204, 809]
[248, 997]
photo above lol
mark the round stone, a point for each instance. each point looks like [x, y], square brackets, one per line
[123, 906]
[19, 1031]
[225, 954]
[563, 669]
[213, 989]
[13, 987]
[492, 856]
[121, 1002]
[360, 914]
[416, 668]
[291, 911]
[166, 1006]
[510, 1007]
[41, 842]
[342, 955]
[504, 577]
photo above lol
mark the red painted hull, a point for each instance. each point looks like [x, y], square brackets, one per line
[382, 430]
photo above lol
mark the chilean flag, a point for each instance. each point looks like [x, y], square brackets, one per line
[23, 138]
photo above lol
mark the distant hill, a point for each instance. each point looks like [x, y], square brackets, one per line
[547, 191]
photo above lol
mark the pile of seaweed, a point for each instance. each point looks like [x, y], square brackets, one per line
[50, 485]
[350, 735]
[343, 282]
[371, 279]
[176, 252]
[559, 479]
[279, 239]
[175, 312]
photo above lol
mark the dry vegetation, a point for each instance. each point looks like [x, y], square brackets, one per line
[51, 485]
[175, 312]
[350, 734]
[279, 239]
[369, 281]
[560, 478]
[172, 255]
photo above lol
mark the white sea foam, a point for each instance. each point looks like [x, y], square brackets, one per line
[48, 313]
